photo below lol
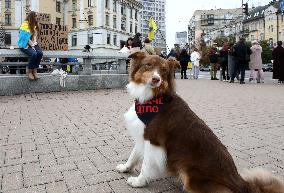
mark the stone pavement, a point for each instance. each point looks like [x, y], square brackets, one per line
[72, 141]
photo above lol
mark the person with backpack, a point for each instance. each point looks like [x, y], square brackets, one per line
[213, 58]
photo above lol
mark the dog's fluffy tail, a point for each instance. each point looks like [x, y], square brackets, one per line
[263, 181]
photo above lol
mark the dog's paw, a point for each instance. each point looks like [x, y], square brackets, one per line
[122, 168]
[135, 182]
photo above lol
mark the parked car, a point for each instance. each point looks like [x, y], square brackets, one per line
[205, 68]
[267, 67]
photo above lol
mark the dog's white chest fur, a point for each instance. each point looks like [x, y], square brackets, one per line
[154, 157]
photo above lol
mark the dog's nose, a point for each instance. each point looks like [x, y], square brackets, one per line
[156, 79]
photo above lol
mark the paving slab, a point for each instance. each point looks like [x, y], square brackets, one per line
[72, 141]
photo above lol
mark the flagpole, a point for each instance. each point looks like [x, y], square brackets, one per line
[164, 39]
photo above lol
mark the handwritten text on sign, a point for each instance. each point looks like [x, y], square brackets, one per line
[53, 37]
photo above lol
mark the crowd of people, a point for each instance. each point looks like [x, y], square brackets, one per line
[233, 61]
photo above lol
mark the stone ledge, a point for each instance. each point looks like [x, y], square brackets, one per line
[13, 85]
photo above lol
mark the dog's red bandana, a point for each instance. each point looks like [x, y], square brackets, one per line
[148, 110]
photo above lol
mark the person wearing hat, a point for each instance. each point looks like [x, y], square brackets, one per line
[255, 63]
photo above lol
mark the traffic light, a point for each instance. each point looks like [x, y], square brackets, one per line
[245, 8]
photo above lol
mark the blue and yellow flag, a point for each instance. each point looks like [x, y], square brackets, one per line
[152, 27]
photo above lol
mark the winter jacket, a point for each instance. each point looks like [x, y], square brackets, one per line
[184, 59]
[255, 57]
[195, 58]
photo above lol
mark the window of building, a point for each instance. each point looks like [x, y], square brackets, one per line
[90, 39]
[58, 6]
[115, 39]
[114, 22]
[123, 25]
[8, 39]
[90, 3]
[131, 25]
[74, 5]
[8, 20]
[7, 4]
[74, 23]
[131, 13]
[107, 4]
[122, 10]
[261, 37]
[90, 20]
[58, 21]
[108, 38]
[107, 20]
[136, 14]
[136, 29]
[114, 6]
[74, 40]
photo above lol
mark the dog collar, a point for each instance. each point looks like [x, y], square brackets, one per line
[149, 109]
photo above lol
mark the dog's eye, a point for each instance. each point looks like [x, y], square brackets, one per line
[164, 69]
[148, 65]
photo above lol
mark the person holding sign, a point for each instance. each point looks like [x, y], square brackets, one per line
[28, 34]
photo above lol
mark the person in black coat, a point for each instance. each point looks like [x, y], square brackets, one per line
[241, 55]
[184, 58]
[278, 63]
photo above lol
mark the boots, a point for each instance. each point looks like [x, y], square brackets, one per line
[30, 74]
[35, 74]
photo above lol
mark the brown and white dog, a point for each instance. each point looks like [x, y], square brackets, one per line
[171, 140]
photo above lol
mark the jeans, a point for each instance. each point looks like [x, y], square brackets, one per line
[225, 71]
[239, 67]
[34, 55]
[195, 72]
[183, 72]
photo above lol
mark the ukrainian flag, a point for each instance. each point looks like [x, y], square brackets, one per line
[24, 35]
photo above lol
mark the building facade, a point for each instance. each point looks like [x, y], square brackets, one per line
[205, 25]
[274, 22]
[105, 25]
[181, 38]
[254, 24]
[157, 10]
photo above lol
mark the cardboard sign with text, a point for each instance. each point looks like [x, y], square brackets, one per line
[43, 18]
[53, 37]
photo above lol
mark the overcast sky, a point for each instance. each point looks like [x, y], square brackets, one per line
[179, 12]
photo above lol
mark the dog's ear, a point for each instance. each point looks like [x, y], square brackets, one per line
[173, 63]
[137, 55]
